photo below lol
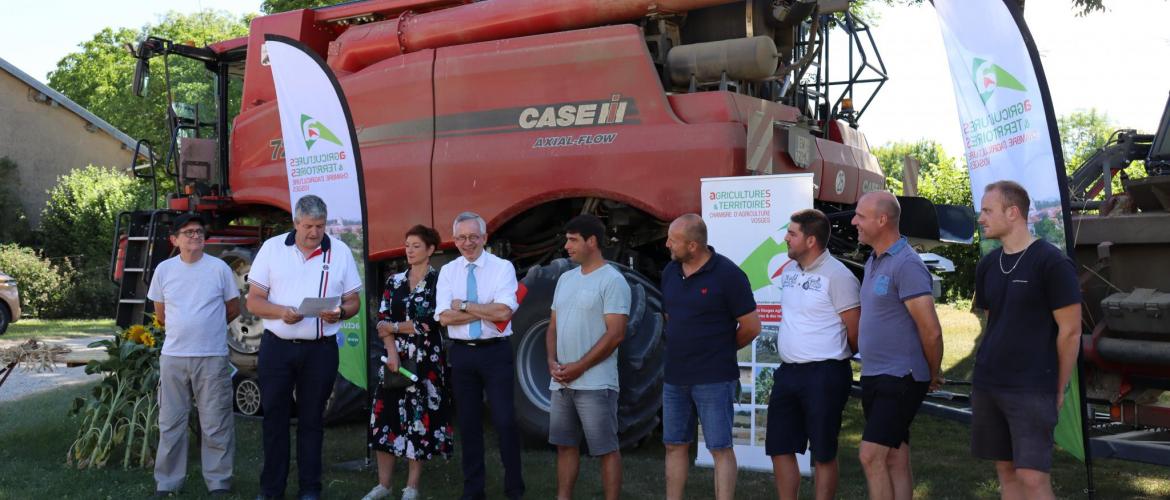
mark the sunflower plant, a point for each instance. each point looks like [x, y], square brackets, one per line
[121, 413]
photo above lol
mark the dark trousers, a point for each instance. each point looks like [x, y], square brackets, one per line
[310, 368]
[474, 371]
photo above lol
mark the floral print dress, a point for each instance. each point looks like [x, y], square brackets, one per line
[414, 422]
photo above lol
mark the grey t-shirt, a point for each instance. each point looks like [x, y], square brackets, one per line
[194, 296]
[581, 302]
[888, 338]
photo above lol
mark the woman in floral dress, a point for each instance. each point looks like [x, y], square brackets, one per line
[411, 422]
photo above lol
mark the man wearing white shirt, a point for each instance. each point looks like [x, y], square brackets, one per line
[299, 353]
[195, 296]
[475, 292]
[821, 306]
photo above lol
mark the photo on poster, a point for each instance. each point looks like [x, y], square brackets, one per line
[766, 346]
[746, 384]
[761, 427]
[765, 380]
[741, 426]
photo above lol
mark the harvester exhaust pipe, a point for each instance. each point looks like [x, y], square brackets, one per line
[363, 45]
[1135, 352]
[750, 59]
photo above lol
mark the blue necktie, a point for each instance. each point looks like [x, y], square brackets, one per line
[475, 328]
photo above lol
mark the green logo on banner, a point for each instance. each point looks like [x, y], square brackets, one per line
[758, 264]
[313, 130]
[990, 76]
[353, 339]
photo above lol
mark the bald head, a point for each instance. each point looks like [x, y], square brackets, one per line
[687, 239]
[876, 218]
[692, 227]
[884, 203]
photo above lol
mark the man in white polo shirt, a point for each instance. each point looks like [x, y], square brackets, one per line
[475, 294]
[820, 300]
[195, 296]
[295, 351]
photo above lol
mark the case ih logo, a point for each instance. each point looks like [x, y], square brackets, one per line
[989, 76]
[313, 130]
[577, 114]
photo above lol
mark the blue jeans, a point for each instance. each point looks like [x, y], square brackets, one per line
[683, 406]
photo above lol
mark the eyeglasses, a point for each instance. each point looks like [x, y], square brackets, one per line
[474, 238]
[193, 233]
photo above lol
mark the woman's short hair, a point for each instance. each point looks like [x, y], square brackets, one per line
[427, 234]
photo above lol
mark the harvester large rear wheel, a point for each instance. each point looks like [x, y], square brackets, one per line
[640, 356]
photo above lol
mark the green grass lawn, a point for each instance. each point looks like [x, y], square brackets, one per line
[35, 433]
[57, 328]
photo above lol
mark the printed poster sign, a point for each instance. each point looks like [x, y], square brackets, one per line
[320, 159]
[747, 218]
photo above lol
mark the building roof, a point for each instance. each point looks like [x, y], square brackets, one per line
[60, 99]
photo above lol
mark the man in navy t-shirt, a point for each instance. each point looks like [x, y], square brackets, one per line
[1030, 291]
[710, 314]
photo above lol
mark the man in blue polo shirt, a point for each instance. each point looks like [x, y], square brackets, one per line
[901, 346]
[710, 313]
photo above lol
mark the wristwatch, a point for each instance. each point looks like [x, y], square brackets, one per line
[394, 328]
[463, 306]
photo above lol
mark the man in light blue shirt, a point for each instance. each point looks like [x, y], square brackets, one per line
[590, 309]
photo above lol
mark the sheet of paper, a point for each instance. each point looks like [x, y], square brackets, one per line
[312, 307]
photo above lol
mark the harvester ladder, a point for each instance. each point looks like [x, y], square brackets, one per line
[140, 244]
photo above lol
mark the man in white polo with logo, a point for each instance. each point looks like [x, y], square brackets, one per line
[820, 301]
[298, 352]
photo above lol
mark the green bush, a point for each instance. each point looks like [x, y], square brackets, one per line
[91, 295]
[77, 225]
[16, 229]
[42, 284]
[78, 219]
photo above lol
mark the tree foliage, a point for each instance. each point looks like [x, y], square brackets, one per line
[16, 228]
[99, 75]
[274, 6]
[78, 219]
[1083, 133]
[42, 284]
[929, 153]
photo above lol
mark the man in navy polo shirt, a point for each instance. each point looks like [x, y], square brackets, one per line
[710, 314]
[901, 346]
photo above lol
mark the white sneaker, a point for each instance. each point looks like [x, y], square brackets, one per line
[379, 492]
[409, 493]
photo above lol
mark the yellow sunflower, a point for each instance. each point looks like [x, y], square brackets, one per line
[135, 333]
[155, 325]
[147, 339]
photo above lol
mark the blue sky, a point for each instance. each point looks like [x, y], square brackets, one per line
[1114, 61]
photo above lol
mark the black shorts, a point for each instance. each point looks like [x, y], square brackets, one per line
[805, 408]
[1014, 427]
[890, 404]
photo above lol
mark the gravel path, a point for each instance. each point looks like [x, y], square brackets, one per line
[21, 383]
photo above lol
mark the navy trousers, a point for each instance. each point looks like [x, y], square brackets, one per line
[310, 369]
[476, 370]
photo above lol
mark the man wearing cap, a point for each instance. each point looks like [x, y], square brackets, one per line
[195, 297]
[297, 352]
[475, 294]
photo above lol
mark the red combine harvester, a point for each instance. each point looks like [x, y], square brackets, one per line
[530, 112]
